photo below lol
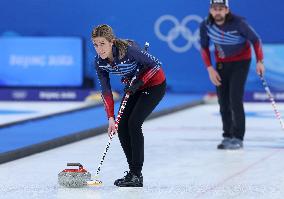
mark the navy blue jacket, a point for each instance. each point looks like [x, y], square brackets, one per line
[136, 62]
[231, 40]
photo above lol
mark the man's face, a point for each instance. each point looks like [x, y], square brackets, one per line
[219, 12]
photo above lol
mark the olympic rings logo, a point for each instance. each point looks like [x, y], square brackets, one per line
[180, 29]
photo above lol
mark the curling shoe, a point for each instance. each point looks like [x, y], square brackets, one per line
[130, 180]
[225, 143]
[118, 181]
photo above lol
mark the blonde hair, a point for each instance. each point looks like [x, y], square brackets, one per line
[106, 32]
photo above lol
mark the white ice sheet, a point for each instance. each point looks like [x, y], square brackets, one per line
[181, 161]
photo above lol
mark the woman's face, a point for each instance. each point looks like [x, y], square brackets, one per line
[103, 47]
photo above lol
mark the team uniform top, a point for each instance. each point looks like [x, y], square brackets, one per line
[136, 62]
[232, 41]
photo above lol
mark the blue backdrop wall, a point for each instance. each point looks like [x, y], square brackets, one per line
[153, 21]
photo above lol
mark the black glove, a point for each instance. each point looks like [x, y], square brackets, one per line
[134, 87]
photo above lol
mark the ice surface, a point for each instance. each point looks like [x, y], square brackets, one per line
[181, 161]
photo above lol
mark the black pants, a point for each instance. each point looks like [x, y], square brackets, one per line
[230, 97]
[138, 107]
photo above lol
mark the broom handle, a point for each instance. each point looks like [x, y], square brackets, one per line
[271, 98]
[120, 112]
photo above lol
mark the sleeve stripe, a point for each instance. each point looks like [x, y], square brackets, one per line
[205, 53]
[109, 106]
[258, 50]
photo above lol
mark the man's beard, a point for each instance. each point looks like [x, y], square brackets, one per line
[219, 18]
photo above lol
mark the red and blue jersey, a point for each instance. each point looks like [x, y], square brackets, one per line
[136, 62]
[231, 40]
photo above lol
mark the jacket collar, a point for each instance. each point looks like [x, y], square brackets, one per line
[115, 54]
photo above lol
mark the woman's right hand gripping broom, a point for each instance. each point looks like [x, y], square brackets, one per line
[111, 127]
